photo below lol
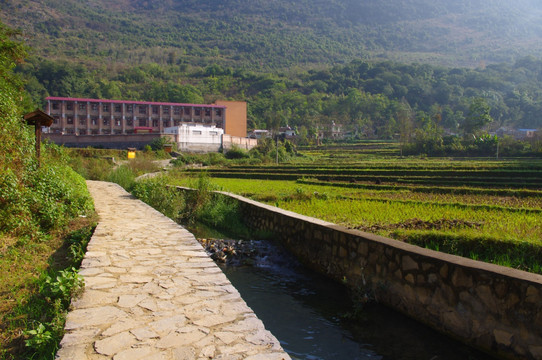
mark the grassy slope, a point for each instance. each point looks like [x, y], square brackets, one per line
[22, 263]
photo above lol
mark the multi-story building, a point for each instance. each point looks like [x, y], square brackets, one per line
[74, 116]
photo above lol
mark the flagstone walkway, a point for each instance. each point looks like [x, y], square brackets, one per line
[151, 292]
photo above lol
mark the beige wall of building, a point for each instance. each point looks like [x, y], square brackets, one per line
[235, 122]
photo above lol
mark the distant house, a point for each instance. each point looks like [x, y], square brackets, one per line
[516, 133]
[196, 138]
[287, 132]
[204, 139]
[259, 134]
[526, 133]
[331, 131]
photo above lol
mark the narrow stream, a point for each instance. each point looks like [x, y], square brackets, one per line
[312, 316]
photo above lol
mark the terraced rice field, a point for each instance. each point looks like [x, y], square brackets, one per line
[484, 209]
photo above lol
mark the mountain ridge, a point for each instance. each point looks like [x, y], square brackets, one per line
[264, 35]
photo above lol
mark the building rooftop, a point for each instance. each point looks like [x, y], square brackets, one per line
[54, 98]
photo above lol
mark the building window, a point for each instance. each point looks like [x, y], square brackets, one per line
[187, 111]
[166, 123]
[155, 109]
[55, 120]
[118, 121]
[118, 108]
[105, 107]
[177, 122]
[70, 131]
[142, 109]
[106, 131]
[218, 112]
[69, 106]
[142, 122]
[117, 132]
[69, 120]
[82, 106]
[94, 107]
[197, 112]
[176, 110]
[130, 122]
[82, 120]
[82, 132]
[106, 121]
[213, 132]
[207, 112]
[165, 110]
[94, 121]
[196, 132]
[154, 123]
[129, 108]
[94, 132]
[55, 105]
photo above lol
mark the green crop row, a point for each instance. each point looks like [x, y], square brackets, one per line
[504, 225]
[530, 183]
[519, 193]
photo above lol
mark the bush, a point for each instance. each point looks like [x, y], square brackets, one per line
[222, 213]
[124, 176]
[47, 199]
[156, 193]
[92, 168]
[236, 153]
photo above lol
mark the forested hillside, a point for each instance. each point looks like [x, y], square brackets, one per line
[370, 99]
[305, 64]
[264, 35]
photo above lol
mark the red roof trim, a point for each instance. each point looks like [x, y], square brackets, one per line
[55, 98]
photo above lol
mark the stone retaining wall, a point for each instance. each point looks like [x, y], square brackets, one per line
[490, 307]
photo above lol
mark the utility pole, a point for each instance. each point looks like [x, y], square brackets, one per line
[277, 149]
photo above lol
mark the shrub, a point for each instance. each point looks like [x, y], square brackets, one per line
[236, 153]
[222, 212]
[155, 192]
[158, 143]
[48, 198]
[92, 168]
[124, 176]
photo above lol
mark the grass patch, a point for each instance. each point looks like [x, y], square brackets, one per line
[37, 280]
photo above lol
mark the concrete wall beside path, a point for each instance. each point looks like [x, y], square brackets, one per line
[151, 292]
[493, 308]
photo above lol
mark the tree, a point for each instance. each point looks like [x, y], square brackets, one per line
[477, 117]
[15, 141]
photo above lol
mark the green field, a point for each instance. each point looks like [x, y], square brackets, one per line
[489, 210]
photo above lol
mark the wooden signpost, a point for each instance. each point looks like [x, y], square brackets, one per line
[38, 118]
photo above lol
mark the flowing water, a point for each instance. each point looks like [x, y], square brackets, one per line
[313, 317]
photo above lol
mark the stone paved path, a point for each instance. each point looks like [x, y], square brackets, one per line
[151, 292]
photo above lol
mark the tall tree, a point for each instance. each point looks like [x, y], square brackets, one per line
[477, 117]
